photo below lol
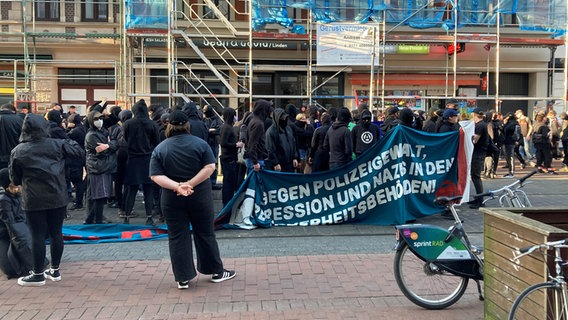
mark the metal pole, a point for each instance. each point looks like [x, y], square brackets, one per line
[383, 60]
[565, 93]
[310, 59]
[497, 61]
[250, 54]
[372, 80]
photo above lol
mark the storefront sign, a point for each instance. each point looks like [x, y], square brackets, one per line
[412, 49]
[244, 44]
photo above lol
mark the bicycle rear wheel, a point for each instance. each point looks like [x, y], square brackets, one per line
[425, 283]
[542, 301]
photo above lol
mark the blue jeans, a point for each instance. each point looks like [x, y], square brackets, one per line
[250, 165]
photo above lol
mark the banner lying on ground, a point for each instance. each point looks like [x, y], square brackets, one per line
[394, 182]
[102, 233]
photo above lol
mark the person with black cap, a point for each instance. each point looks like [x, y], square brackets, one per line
[38, 165]
[182, 165]
[339, 141]
[480, 145]
[449, 120]
[365, 134]
[16, 257]
[391, 120]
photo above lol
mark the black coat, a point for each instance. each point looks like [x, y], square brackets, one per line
[38, 165]
[15, 238]
[141, 134]
[10, 128]
[339, 143]
[99, 162]
[196, 126]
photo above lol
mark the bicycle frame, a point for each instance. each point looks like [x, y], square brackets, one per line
[514, 198]
[449, 249]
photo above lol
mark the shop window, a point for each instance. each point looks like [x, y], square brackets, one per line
[94, 10]
[47, 10]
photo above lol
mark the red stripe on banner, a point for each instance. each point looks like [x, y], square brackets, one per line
[462, 163]
[130, 234]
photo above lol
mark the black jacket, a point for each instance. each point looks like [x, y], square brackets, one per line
[228, 136]
[256, 142]
[15, 237]
[38, 165]
[339, 143]
[10, 128]
[196, 126]
[281, 144]
[99, 162]
[141, 134]
[365, 135]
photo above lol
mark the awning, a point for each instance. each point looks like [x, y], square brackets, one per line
[417, 79]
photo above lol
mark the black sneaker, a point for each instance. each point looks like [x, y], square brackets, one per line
[509, 175]
[183, 284]
[52, 274]
[32, 280]
[150, 222]
[223, 276]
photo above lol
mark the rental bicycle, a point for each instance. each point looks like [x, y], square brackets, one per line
[547, 300]
[432, 265]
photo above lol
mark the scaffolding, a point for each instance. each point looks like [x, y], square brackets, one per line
[184, 27]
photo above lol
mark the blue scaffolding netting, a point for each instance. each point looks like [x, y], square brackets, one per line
[548, 16]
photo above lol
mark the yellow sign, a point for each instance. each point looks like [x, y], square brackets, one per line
[6, 90]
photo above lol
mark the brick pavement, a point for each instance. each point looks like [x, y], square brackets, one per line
[296, 287]
[331, 286]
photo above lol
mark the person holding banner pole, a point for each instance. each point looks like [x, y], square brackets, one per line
[480, 145]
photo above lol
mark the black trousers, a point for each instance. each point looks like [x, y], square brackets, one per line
[230, 185]
[131, 191]
[196, 210]
[477, 163]
[44, 223]
[75, 176]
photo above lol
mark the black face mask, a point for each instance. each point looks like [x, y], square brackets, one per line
[283, 123]
[366, 123]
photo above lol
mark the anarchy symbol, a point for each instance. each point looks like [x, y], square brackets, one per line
[367, 137]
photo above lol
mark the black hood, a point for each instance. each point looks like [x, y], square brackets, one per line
[262, 108]
[229, 115]
[344, 115]
[190, 109]
[55, 116]
[35, 127]
[406, 116]
[140, 109]
[292, 111]
[124, 115]
[279, 114]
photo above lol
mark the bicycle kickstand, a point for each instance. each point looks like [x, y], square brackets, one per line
[481, 298]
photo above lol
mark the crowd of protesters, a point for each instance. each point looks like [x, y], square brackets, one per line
[106, 157]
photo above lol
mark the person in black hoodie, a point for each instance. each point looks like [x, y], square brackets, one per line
[213, 124]
[74, 167]
[116, 133]
[339, 141]
[365, 134]
[38, 165]
[10, 129]
[229, 145]
[256, 142]
[16, 257]
[196, 125]
[319, 157]
[142, 135]
[56, 130]
[281, 145]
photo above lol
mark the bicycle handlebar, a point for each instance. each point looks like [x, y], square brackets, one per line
[527, 250]
[491, 193]
[521, 180]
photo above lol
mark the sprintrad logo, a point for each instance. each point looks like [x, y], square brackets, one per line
[422, 244]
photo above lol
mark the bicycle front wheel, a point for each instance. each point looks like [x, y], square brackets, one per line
[425, 283]
[542, 301]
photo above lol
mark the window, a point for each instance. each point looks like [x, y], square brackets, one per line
[47, 10]
[94, 10]
[100, 77]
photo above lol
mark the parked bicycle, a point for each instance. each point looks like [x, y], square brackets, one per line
[547, 300]
[511, 195]
[432, 265]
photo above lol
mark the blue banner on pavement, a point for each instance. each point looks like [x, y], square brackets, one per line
[394, 182]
